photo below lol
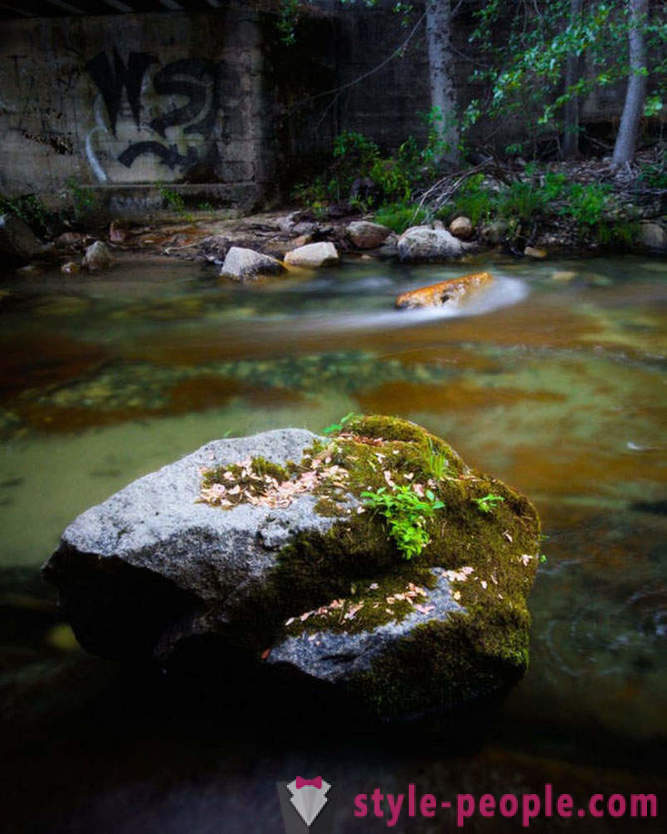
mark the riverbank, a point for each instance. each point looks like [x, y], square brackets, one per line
[207, 239]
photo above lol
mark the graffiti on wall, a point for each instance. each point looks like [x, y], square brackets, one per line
[169, 113]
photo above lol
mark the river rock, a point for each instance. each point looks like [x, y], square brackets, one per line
[653, 236]
[245, 264]
[70, 268]
[18, 243]
[535, 252]
[445, 292]
[98, 257]
[323, 253]
[70, 240]
[494, 232]
[260, 552]
[462, 227]
[423, 244]
[366, 235]
[117, 232]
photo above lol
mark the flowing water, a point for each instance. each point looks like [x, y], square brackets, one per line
[554, 381]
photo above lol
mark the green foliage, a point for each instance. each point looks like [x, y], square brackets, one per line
[356, 151]
[172, 198]
[652, 106]
[521, 200]
[394, 178]
[400, 216]
[391, 179]
[436, 462]
[654, 175]
[288, 17]
[586, 203]
[524, 69]
[474, 200]
[488, 502]
[28, 208]
[406, 514]
[83, 199]
[336, 427]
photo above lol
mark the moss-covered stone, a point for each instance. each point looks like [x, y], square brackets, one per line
[352, 580]
[267, 547]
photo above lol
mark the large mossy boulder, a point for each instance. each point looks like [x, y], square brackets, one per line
[288, 553]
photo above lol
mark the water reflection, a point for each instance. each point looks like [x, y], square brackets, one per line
[558, 390]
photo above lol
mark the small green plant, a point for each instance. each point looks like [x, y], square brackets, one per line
[436, 462]
[83, 199]
[205, 206]
[406, 514]
[172, 198]
[543, 559]
[488, 503]
[334, 427]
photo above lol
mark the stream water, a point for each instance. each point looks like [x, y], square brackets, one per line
[554, 382]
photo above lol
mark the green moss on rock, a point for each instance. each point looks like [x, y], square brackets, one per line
[341, 580]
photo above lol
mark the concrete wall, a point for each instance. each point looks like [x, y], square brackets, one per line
[126, 102]
[135, 99]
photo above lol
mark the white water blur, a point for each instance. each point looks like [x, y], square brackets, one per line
[503, 292]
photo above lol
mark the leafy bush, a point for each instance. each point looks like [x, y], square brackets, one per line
[474, 200]
[30, 209]
[400, 216]
[406, 514]
[521, 200]
[586, 203]
[391, 179]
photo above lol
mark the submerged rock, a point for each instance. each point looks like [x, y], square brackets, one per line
[70, 268]
[244, 264]
[445, 292]
[265, 553]
[422, 244]
[313, 255]
[98, 257]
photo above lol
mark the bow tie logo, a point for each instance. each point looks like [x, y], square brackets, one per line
[315, 783]
[303, 798]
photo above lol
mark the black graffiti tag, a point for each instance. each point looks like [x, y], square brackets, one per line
[112, 77]
[169, 155]
[192, 78]
[195, 79]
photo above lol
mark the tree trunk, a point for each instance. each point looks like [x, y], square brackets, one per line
[571, 113]
[628, 131]
[438, 33]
